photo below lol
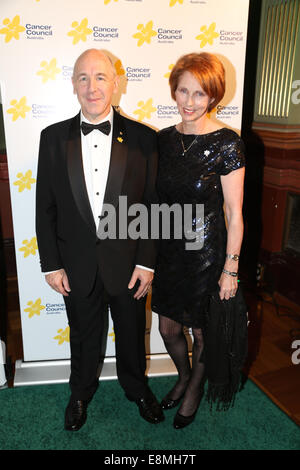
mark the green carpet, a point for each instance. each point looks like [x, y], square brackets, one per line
[31, 418]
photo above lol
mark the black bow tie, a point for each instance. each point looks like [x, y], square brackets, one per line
[103, 127]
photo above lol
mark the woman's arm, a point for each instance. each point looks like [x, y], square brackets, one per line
[233, 190]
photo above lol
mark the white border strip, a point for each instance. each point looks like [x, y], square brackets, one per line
[54, 372]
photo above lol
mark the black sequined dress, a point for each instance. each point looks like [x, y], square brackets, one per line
[184, 277]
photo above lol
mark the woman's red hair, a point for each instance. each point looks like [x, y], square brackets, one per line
[207, 69]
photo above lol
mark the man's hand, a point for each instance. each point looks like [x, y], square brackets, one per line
[145, 278]
[58, 280]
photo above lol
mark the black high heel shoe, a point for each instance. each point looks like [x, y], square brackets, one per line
[181, 421]
[168, 403]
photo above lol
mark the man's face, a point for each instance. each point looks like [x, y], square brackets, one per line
[94, 83]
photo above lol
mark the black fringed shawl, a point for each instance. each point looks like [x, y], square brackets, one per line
[225, 348]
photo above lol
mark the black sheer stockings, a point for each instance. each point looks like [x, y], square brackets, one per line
[190, 379]
[194, 391]
[176, 345]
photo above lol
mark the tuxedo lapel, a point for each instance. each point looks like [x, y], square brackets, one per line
[76, 173]
[118, 161]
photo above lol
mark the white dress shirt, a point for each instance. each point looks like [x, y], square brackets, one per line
[96, 150]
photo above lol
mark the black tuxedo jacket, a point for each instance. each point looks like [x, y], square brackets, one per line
[65, 227]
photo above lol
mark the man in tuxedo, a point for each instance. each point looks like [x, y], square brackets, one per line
[85, 162]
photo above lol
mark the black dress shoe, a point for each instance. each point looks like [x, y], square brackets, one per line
[76, 414]
[150, 409]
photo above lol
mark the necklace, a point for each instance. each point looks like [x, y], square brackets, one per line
[183, 147]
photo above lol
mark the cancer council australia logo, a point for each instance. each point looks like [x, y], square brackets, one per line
[80, 31]
[173, 2]
[207, 35]
[49, 70]
[19, 108]
[12, 29]
[167, 75]
[63, 336]
[119, 68]
[112, 335]
[145, 33]
[24, 181]
[34, 308]
[30, 247]
[145, 109]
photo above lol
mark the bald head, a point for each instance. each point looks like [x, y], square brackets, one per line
[94, 54]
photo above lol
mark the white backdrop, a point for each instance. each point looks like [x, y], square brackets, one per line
[39, 42]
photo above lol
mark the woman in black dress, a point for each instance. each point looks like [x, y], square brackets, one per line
[200, 163]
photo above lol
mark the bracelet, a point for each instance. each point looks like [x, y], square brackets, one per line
[230, 273]
[234, 257]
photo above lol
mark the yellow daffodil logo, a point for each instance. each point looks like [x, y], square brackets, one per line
[119, 68]
[167, 75]
[80, 31]
[19, 109]
[30, 247]
[145, 33]
[173, 2]
[49, 71]
[24, 181]
[63, 336]
[146, 109]
[207, 35]
[106, 2]
[112, 335]
[12, 28]
[34, 308]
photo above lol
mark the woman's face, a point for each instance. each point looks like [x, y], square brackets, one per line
[191, 99]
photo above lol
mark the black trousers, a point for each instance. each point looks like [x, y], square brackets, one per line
[86, 320]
